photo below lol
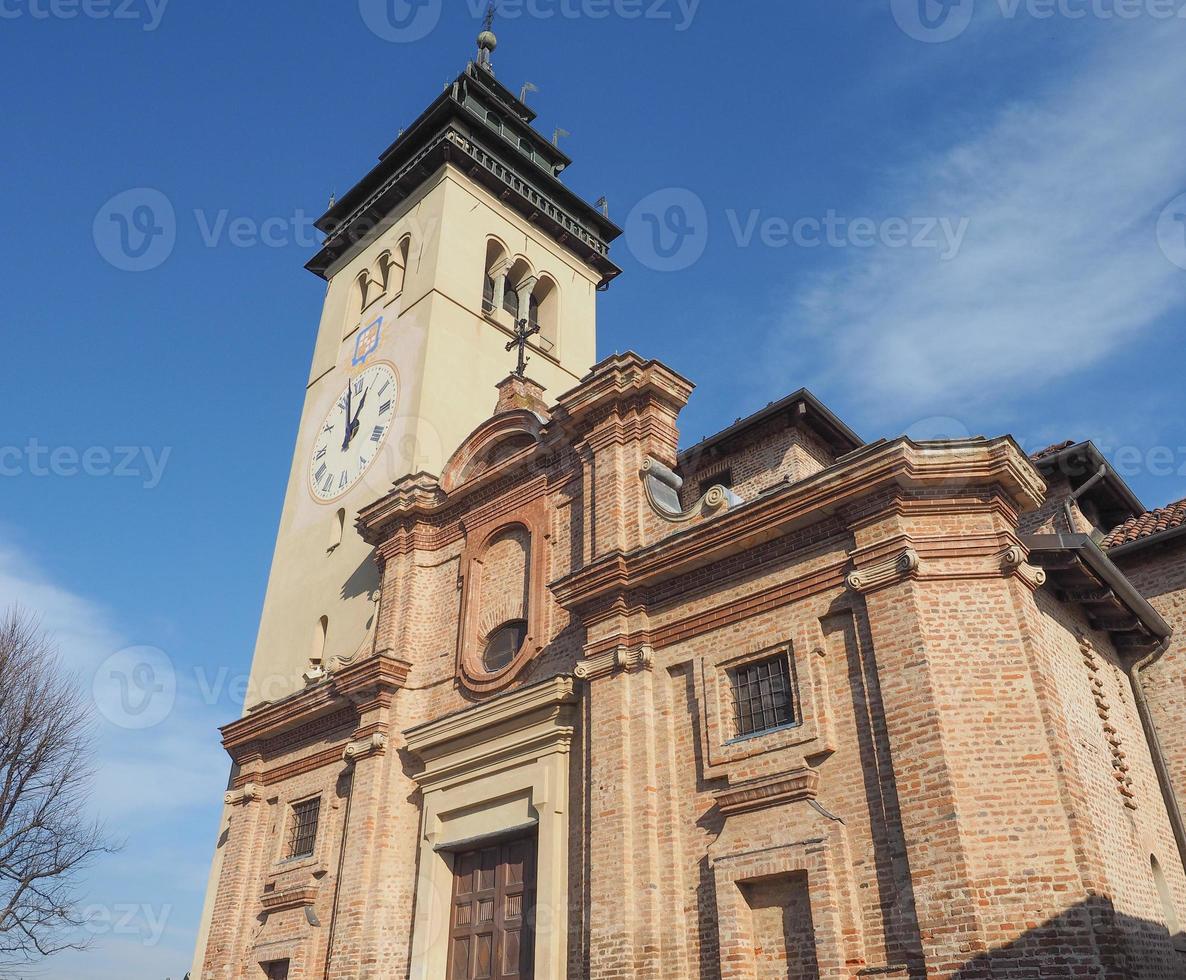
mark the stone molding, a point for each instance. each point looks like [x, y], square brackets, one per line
[622, 659]
[374, 744]
[888, 572]
[364, 685]
[289, 898]
[958, 469]
[787, 787]
[248, 793]
[1014, 562]
[516, 725]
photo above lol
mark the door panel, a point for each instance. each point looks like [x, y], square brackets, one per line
[493, 905]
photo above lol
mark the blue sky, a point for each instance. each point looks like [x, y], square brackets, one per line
[964, 222]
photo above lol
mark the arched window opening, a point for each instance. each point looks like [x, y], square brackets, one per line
[337, 529]
[493, 277]
[543, 311]
[512, 301]
[399, 271]
[504, 645]
[364, 288]
[1166, 896]
[320, 636]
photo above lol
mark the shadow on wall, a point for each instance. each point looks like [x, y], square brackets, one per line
[1076, 942]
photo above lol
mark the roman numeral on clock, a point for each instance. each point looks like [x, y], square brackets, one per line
[385, 408]
[343, 479]
[320, 454]
[378, 433]
[320, 474]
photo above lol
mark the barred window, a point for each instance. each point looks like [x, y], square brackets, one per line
[762, 696]
[302, 831]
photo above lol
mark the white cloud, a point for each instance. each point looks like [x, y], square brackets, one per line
[1060, 265]
[158, 788]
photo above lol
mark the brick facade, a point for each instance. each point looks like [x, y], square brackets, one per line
[965, 789]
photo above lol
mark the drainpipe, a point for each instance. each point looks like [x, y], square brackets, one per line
[333, 916]
[1156, 750]
[1076, 494]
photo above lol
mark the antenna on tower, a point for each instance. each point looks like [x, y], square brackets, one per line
[527, 87]
[487, 42]
[557, 134]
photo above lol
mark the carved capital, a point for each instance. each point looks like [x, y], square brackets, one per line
[884, 573]
[247, 793]
[613, 661]
[1013, 562]
[373, 744]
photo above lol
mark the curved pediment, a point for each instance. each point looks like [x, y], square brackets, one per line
[496, 440]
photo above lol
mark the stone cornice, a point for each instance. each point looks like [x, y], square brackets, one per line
[364, 684]
[521, 723]
[619, 376]
[786, 787]
[958, 468]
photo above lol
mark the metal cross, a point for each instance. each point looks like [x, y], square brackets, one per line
[523, 333]
[490, 12]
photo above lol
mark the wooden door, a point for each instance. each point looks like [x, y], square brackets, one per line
[490, 936]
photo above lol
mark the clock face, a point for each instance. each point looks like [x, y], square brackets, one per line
[353, 432]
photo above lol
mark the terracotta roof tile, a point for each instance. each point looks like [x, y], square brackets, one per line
[1058, 447]
[1148, 524]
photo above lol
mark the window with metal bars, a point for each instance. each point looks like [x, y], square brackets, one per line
[302, 831]
[762, 697]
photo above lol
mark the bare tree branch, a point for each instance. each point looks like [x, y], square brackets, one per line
[46, 769]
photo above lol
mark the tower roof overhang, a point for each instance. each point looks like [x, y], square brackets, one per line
[455, 129]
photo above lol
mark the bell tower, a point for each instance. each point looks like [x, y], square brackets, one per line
[460, 233]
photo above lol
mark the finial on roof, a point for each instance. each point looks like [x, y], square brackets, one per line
[487, 42]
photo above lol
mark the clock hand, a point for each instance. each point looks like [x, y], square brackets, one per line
[353, 431]
[346, 437]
